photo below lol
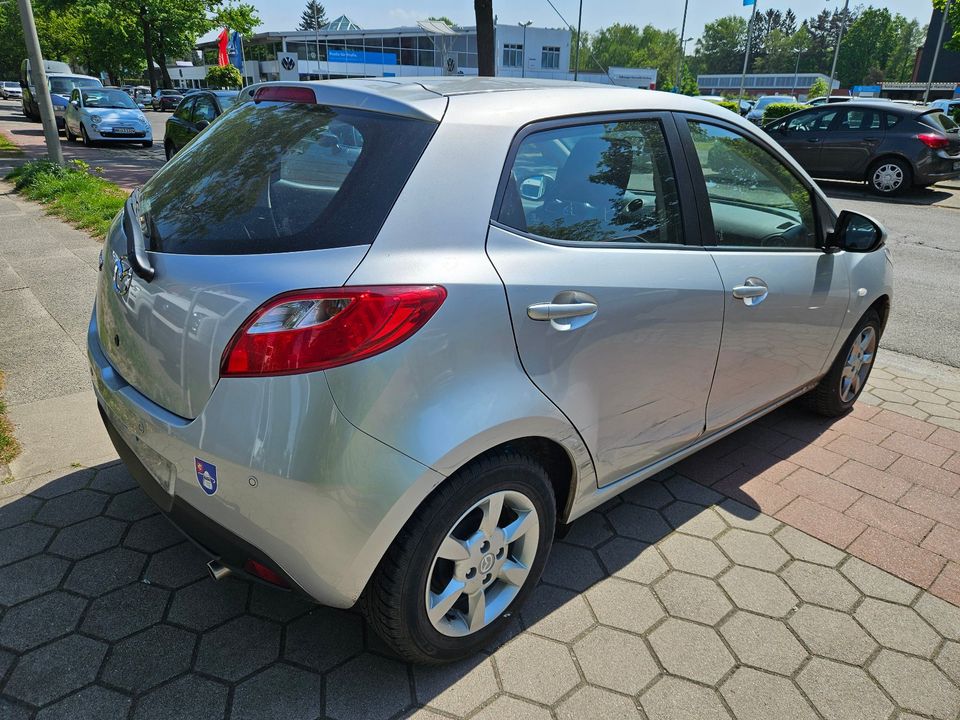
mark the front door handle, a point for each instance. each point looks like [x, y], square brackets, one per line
[753, 291]
[813, 140]
[560, 311]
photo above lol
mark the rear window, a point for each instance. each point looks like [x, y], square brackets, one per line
[939, 120]
[281, 177]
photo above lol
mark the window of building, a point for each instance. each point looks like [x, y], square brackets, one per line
[550, 57]
[512, 55]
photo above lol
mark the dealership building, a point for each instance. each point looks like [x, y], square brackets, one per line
[756, 84]
[342, 49]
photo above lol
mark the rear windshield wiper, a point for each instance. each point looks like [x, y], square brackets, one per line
[136, 250]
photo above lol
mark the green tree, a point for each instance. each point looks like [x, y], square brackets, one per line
[954, 42]
[720, 49]
[313, 17]
[629, 46]
[224, 77]
[240, 17]
[818, 89]
[866, 46]
[443, 19]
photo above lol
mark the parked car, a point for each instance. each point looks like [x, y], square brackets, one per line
[106, 115]
[824, 100]
[889, 146]
[10, 90]
[397, 377]
[28, 87]
[950, 107]
[142, 96]
[197, 110]
[755, 114]
[166, 100]
[62, 87]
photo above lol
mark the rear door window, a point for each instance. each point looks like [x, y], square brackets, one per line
[184, 110]
[280, 177]
[203, 110]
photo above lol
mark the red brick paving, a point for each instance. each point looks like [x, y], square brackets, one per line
[882, 486]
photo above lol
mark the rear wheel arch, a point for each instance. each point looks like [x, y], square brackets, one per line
[887, 157]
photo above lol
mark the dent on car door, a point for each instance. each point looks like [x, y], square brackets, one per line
[785, 297]
[617, 319]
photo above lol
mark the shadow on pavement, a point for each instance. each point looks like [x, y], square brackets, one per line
[859, 191]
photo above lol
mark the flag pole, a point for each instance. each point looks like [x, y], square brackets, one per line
[746, 55]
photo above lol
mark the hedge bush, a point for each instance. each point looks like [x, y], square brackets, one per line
[775, 111]
[730, 105]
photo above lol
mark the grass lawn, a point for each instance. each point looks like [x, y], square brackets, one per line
[71, 192]
[8, 444]
[8, 148]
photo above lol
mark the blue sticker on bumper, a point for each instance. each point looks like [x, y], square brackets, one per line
[206, 476]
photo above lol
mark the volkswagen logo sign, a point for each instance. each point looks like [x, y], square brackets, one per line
[288, 63]
[122, 275]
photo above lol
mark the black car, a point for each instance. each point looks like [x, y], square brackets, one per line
[890, 146]
[196, 111]
[166, 100]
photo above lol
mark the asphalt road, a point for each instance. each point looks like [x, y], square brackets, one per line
[923, 235]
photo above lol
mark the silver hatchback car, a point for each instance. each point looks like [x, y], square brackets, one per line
[380, 339]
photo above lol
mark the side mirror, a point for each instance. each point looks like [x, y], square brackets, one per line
[202, 124]
[75, 103]
[534, 187]
[856, 233]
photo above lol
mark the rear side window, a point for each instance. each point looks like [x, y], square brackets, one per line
[282, 177]
[939, 120]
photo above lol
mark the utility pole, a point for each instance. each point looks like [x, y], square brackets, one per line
[746, 55]
[836, 50]
[523, 55]
[936, 50]
[38, 74]
[683, 43]
[316, 37]
[796, 71]
[576, 62]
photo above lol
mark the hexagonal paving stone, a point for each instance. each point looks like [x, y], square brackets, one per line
[22, 541]
[694, 520]
[625, 605]
[50, 486]
[632, 560]
[91, 702]
[16, 510]
[536, 668]
[239, 648]
[804, 547]
[280, 691]
[752, 549]
[638, 523]
[11, 711]
[52, 671]
[572, 567]
[131, 505]
[948, 660]
[754, 695]
[188, 697]
[693, 555]
[941, 614]
[693, 492]
[177, 566]
[39, 620]
[897, 627]
[149, 658]
[88, 537]
[276, 604]
[594, 702]
[821, 585]
[508, 707]
[675, 699]
[691, 651]
[615, 660]
[832, 634]
[763, 643]
[106, 571]
[208, 603]
[758, 591]
[916, 685]
[125, 611]
[556, 613]
[736, 514]
[878, 583]
[324, 638]
[152, 534]
[113, 479]
[589, 531]
[841, 692]
[368, 687]
[72, 508]
[31, 577]
[692, 597]
[649, 493]
[458, 688]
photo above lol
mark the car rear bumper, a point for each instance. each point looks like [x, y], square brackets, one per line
[936, 167]
[298, 488]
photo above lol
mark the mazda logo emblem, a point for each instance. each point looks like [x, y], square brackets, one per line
[288, 63]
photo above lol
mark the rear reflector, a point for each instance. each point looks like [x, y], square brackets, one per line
[261, 571]
[310, 330]
[932, 140]
[280, 93]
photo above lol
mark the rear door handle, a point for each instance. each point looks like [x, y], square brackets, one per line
[871, 139]
[560, 311]
[813, 140]
[753, 291]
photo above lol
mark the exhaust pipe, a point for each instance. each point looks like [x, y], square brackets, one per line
[218, 571]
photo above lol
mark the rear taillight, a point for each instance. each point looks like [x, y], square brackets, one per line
[311, 330]
[934, 141]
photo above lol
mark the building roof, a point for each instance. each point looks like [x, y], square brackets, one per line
[342, 23]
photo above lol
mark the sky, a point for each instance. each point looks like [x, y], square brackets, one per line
[285, 14]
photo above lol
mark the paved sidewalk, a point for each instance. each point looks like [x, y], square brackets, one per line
[677, 600]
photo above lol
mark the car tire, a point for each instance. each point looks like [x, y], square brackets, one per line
[70, 136]
[490, 567]
[839, 389]
[168, 150]
[890, 176]
[86, 138]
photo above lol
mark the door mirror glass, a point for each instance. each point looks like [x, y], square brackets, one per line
[75, 103]
[857, 233]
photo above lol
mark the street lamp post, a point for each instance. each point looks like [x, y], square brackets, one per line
[683, 43]
[316, 38]
[576, 62]
[38, 74]
[746, 55]
[796, 71]
[523, 53]
[836, 50]
[936, 51]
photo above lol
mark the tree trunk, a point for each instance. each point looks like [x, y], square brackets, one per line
[486, 48]
[148, 48]
[161, 55]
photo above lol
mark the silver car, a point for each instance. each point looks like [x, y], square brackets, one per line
[381, 339]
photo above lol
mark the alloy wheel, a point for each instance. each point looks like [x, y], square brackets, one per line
[857, 367]
[482, 563]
